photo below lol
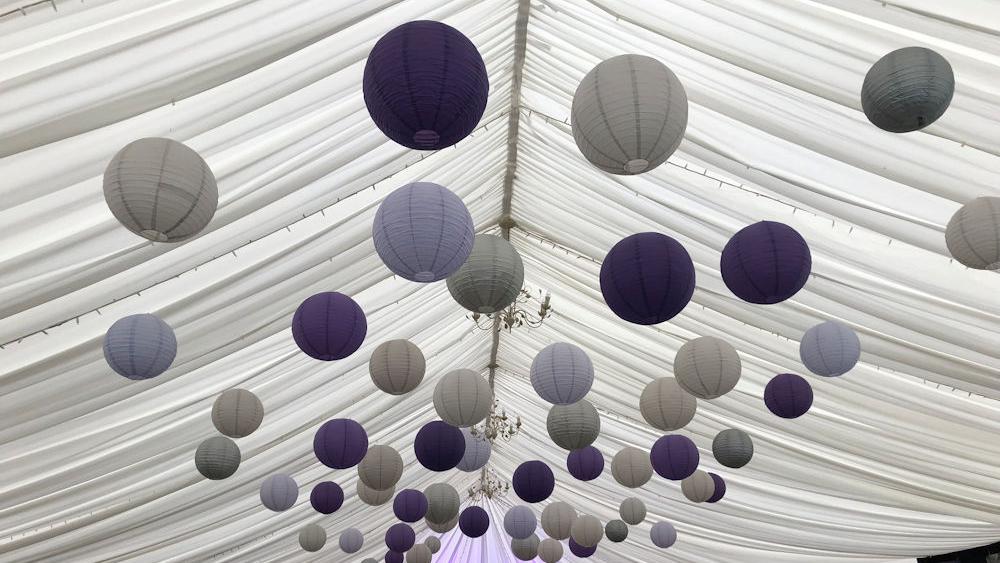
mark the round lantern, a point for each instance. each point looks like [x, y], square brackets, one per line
[474, 521]
[573, 426]
[907, 89]
[217, 458]
[160, 190]
[433, 544]
[279, 492]
[410, 505]
[674, 457]
[329, 326]
[477, 451]
[579, 550]
[442, 503]
[550, 550]
[562, 373]
[707, 367]
[520, 522]
[663, 534]
[533, 481]
[446, 527]
[237, 413]
[369, 560]
[525, 549]
[788, 395]
[973, 232]
[462, 398]
[381, 468]
[720, 488]
[312, 537]
[586, 464]
[374, 497]
[616, 531]
[699, 487]
[647, 278]
[766, 263]
[140, 346]
[397, 367]
[490, 279]
[425, 85]
[400, 537]
[393, 557]
[439, 446]
[732, 448]
[586, 530]
[340, 443]
[326, 497]
[557, 520]
[830, 349]
[629, 114]
[351, 540]
[632, 510]
[419, 553]
[423, 232]
[631, 467]
[665, 405]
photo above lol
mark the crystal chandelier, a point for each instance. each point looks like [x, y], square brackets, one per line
[516, 314]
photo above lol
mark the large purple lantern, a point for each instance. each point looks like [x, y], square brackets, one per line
[329, 326]
[474, 521]
[788, 395]
[580, 551]
[647, 278]
[409, 505]
[533, 481]
[425, 85]
[586, 464]
[400, 537]
[720, 488]
[340, 443]
[439, 446]
[766, 262]
[674, 457]
[326, 497]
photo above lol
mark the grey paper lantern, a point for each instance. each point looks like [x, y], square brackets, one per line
[830, 349]
[477, 451]
[442, 503]
[550, 550]
[907, 89]
[433, 544]
[279, 492]
[419, 553]
[312, 537]
[369, 560]
[237, 413]
[397, 366]
[381, 467]
[973, 234]
[520, 522]
[699, 487]
[632, 510]
[491, 278]
[573, 426]
[160, 189]
[586, 530]
[663, 534]
[140, 346]
[445, 527]
[665, 405]
[707, 367]
[217, 457]
[629, 114]
[631, 467]
[616, 531]
[557, 520]
[374, 497]
[562, 373]
[526, 549]
[351, 540]
[462, 398]
[732, 448]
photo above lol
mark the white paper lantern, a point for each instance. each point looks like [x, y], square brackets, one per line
[973, 234]
[520, 522]
[374, 497]
[217, 458]
[312, 537]
[419, 553]
[830, 349]
[462, 398]
[140, 346]
[442, 503]
[732, 448]
[237, 413]
[907, 89]
[351, 540]
[279, 492]
[557, 520]
[550, 550]
[663, 534]
[631, 467]
[381, 467]
[699, 487]
[433, 544]
[586, 530]
[397, 367]
[562, 373]
[525, 549]
[707, 367]
[573, 426]
[665, 405]
[477, 452]
[491, 278]
[632, 510]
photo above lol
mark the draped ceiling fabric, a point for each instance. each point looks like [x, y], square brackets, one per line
[896, 459]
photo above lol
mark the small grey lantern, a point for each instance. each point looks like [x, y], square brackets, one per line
[830, 349]
[279, 492]
[907, 89]
[557, 520]
[616, 531]
[419, 553]
[397, 367]
[237, 413]
[707, 367]
[698, 487]
[550, 550]
[631, 467]
[462, 398]
[217, 458]
[433, 543]
[491, 277]
[732, 448]
[312, 537]
[973, 234]
[140, 346]
[586, 530]
[374, 497]
[573, 426]
[351, 540]
[445, 527]
[526, 549]
[632, 510]
[665, 405]
[381, 468]
[442, 503]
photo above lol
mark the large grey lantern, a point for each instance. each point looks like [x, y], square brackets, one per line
[698, 487]
[830, 349]
[616, 531]
[477, 451]
[140, 346]
[631, 467]
[397, 366]
[557, 520]
[351, 540]
[632, 510]
[462, 398]
[562, 373]
[433, 544]
[732, 448]
[491, 277]
[573, 426]
[550, 550]
[973, 234]
[279, 492]
[374, 497]
[707, 367]
[629, 114]
[442, 503]
[526, 549]
[907, 89]
[665, 405]
[381, 467]
[237, 413]
[445, 527]
[160, 189]
[520, 522]
[419, 553]
[586, 530]
[217, 457]
[312, 537]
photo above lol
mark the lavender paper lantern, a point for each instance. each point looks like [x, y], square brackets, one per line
[326, 497]
[830, 349]
[410, 505]
[907, 89]
[631, 467]
[674, 457]
[732, 448]
[393, 557]
[400, 537]
[580, 551]
[586, 464]
[788, 395]
[647, 278]
[340, 443]
[663, 534]
[474, 521]
[140, 346]
[442, 505]
[525, 549]
[425, 85]
[616, 531]
[279, 492]
[550, 550]
[439, 446]
[351, 540]
[766, 263]
[329, 326]
[520, 522]
[973, 234]
[720, 488]
[562, 373]
[557, 520]
[477, 451]
[217, 458]
[533, 481]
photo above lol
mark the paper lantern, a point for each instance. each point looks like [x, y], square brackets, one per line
[647, 278]
[381, 468]
[632, 510]
[351, 540]
[397, 367]
[340, 443]
[374, 497]
[520, 522]
[369, 560]
[720, 488]
[788, 395]
[665, 405]
[433, 544]
[586, 464]
[573, 426]
[326, 497]
[616, 531]
[399, 537]
[237, 413]
[907, 89]
[474, 521]
[446, 527]
[442, 503]
[462, 398]
[312, 537]
[140, 346]
[766, 263]
[586, 530]
[629, 114]
[674, 457]
[439, 446]
[491, 278]
[579, 550]
[663, 534]
[698, 487]
[477, 451]
[562, 373]
[707, 367]
[631, 467]
[525, 549]
[217, 458]
[830, 349]
[410, 505]
[393, 557]
[973, 234]
[419, 553]
[329, 326]
[557, 520]
[425, 85]
[279, 492]
[550, 550]
[423, 232]
[160, 190]
[533, 481]
[732, 448]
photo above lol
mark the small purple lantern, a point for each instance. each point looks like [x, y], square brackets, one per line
[766, 263]
[533, 481]
[329, 326]
[409, 505]
[474, 521]
[326, 497]
[586, 464]
[439, 446]
[720, 488]
[580, 551]
[647, 278]
[674, 457]
[788, 395]
[340, 443]
[393, 557]
[400, 537]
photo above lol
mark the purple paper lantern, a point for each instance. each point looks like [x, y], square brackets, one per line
[425, 85]
[766, 262]
[647, 278]
[720, 488]
[788, 395]
[393, 557]
[439, 446]
[586, 464]
[580, 551]
[329, 326]
[409, 505]
[474, 521]
[340, 443]
[533, 481]
[326, 497]
[674, 457]
[400, 537]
